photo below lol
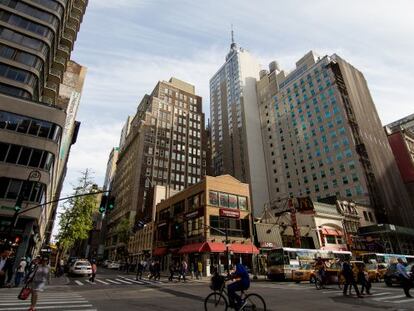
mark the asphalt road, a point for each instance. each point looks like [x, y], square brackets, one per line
[114, 290]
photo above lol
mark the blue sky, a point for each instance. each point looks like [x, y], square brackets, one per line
[128, 45]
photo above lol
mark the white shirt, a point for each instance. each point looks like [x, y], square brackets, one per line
[22, 266]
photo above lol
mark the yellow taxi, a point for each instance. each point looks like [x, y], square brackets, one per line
[305, 273]
[376, 271]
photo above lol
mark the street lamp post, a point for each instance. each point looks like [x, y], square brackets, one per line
[33, 176]
[226, 234]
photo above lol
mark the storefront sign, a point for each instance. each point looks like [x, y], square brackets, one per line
[194, 214]
[231, 213]
[267, 245]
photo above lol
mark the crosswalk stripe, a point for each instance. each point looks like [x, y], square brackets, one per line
[122, 281]
[112, 281]
[78, 282]
[100, 281]
[41, 302]
[134, 281]
[401, 301]
[380, 294]
[388, 297]
[45, 307]
[90, 282]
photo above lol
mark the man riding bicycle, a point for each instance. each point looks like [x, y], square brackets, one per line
[242, 283]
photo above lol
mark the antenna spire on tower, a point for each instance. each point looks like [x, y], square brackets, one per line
[233, 44]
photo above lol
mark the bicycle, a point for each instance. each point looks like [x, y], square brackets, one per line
[219, 300]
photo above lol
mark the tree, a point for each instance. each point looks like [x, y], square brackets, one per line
[76, 218]
[123, 231]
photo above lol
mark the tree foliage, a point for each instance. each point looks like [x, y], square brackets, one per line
[76, 218]
[123, 230]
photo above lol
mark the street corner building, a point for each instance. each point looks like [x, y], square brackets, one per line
[193, 225]
[40, 90]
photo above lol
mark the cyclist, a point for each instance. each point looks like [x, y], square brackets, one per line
[320, 267]
[242, 283]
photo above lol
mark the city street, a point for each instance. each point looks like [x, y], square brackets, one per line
[115, 290]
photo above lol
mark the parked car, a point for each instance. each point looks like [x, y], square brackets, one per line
[376, 271]
[105, 263]
[69, 263]
[113, 265]
[391, 276]
[81, 267]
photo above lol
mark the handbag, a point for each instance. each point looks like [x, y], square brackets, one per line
[24, 293]
[26, 290]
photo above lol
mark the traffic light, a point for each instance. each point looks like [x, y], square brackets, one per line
[111, 203]
[102, 207]
[18, 205]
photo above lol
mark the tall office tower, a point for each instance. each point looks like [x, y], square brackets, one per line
[164, 147]
[36, 39]
[236, 146]
[125, 131]
[111, 168]
[323, 138]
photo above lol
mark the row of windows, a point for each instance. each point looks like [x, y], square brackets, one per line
[23, 40]
[20, 155]
[31, 11]
[31, 126]
[51, 4]
[18, 75]
[12, 188]
[227, 200]
[14, 91]
[25, 24]
[20, 56]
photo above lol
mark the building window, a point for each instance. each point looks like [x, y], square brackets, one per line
[330, 239]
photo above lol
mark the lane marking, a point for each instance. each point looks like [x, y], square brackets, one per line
[401, 301]
[134, 281]
[79, 282]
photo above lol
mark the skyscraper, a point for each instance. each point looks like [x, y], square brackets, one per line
[236, 144]
[36, 40]
[323, 138]
[164, 147]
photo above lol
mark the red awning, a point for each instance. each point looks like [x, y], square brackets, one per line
[214, 247]
[243, 248]
[329, 231]
[159, 251]
[191, 248]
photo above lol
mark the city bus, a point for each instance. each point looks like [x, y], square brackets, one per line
[381, 258]
[282, 261]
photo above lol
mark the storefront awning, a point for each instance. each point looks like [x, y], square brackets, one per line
[244, 248]
[159, 251]
[330, 231]
[191, 248]
[214, 247]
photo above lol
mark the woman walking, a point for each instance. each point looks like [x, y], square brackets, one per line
[38, 279]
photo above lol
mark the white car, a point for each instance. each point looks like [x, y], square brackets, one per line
[105, 263]
[113, 265]
[81, 267]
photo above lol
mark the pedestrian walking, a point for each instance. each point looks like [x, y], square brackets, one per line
[20, 272]
[157, 271]
[349, 279]
[38, 279]
[172, 268]
[94, 270]
[151, 270]
[405, 279]
[6, 266]
[363, 279]
[183, 271]
[199, 270]
[140, 269]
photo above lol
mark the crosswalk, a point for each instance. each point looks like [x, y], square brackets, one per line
[117, 280]
[47, 301]
[380, 295]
